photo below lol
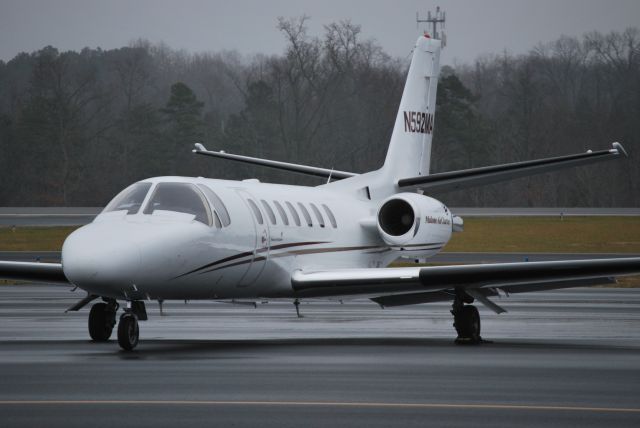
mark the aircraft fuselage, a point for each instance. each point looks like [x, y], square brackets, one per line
[170, 255]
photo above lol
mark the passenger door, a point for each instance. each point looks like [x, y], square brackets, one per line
[262, 239]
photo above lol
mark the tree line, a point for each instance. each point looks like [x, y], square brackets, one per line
[76, 127]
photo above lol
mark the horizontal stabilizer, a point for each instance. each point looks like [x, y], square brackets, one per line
[455, 180]
[302, 169]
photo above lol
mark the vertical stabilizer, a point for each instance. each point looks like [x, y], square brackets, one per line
[409, 153]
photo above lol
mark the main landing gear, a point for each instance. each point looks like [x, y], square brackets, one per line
[466, 319]
[102, 319]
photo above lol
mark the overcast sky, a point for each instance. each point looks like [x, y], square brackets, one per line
[473, 27]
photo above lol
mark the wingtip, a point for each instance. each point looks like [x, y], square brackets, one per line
[618, 147]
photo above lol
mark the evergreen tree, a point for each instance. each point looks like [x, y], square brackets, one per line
[460, 133]
[183, 113]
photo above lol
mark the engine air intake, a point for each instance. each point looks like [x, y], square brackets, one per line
[396, 217]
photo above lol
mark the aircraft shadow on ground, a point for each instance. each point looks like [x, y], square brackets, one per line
[252, 348]
[196, 349]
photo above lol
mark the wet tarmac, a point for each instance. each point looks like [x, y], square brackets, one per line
[563, 358]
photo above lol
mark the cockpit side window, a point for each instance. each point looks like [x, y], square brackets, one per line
[180, 197]
[129, 199]
[216, 220]
[218, 205]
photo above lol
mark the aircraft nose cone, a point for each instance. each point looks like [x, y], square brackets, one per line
[97, 262]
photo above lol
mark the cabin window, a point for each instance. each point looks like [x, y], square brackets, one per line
[180, 197]
[294, 213]
[306, 215]
[318, 214]
[270, 213]
[130, 199]
[282, 213]
[256, 211]
[218, 205]
[332, 218]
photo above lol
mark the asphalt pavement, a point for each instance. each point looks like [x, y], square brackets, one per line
[563, 358]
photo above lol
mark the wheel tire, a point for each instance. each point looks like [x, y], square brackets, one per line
[467, 323]
[101, 322]
[128, 332]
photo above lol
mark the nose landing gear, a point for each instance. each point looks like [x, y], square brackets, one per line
[102, 320]
[128, 331]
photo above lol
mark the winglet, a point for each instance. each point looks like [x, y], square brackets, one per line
[619, 149]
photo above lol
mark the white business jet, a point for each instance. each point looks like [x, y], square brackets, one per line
[198, 238]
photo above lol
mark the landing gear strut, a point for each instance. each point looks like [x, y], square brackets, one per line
[466, 319]
[102, 319]
[297, 305]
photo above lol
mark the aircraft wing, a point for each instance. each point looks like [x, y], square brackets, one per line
[404, 299]
[31, 271]
[433, 283]
[455, 180]
[292, 167]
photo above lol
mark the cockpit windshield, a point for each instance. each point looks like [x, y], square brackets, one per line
[179, 197]
[129, 199]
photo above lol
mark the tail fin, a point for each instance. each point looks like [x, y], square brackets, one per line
[409, 151]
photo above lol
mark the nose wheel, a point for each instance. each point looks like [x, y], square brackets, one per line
[102, 319]
[128, 331]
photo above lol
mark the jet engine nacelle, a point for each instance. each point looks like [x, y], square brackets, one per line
[414, 222]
